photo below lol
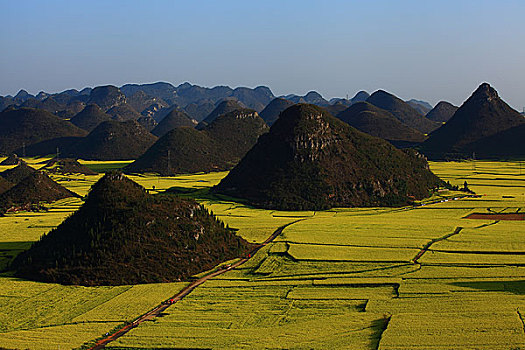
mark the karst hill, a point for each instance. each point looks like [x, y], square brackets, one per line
[474, 126]
[175, 119]
[311, 160]
[29, 192]
[378, 122]
[224, 107]
[90, 117]
[113, 140]
[218, 146]
[25, 126]
[12, 159]
[402, 111]
[123, 235]
[271, 112]
[442, 112]
[18, 173]
[67, 166]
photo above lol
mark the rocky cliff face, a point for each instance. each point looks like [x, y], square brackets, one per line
[107, 97]
[311, 142]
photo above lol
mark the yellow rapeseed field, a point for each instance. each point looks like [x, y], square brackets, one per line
[342, 278]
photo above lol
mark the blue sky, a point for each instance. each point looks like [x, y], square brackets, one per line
[431, 50]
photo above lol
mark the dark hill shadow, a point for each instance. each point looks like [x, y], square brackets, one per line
[516, 287]
[9, 250]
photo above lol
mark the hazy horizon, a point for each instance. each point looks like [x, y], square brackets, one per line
[430, 51]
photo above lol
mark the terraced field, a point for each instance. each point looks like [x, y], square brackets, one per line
[346, 278]
[343, 278]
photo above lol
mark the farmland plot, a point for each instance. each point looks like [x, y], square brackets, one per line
[361, 261]
[259, 317]
[342, 278]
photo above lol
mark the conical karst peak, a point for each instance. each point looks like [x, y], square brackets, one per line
[485, 92]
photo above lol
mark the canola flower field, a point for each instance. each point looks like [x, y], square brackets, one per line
[421, 277]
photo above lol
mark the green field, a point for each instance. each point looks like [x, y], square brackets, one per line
[342, 278]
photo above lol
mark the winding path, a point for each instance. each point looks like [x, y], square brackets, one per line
[155, 312]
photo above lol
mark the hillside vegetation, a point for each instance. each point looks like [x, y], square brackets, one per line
[25, 126]
[123, 235]
[31, 191]
[378, 122]
[90, 117]
[175, 119]
[310, 161]
[482, 115]
[402, 111]
[112, 140]
[219, 146]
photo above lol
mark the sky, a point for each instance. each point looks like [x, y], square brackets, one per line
[428, 50]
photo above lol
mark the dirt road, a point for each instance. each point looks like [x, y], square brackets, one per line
[101, 344]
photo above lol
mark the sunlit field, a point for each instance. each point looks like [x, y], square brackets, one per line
[420, 277]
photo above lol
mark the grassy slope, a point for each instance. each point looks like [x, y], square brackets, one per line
[304, 299]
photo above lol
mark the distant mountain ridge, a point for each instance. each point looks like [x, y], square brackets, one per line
[154, 98]
[312, 97]
[186, 93]
[422, 107]
[146, 99]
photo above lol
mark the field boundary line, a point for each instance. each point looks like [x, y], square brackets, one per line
[348, 245]
[427, 246]
[521, 317]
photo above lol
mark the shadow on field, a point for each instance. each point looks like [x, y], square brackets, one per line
[203, 194]
[379, 326]
[9, 250]
[516, 287]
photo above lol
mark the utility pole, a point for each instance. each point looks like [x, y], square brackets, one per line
[23, 149]
[473, 161]
[57, 154]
